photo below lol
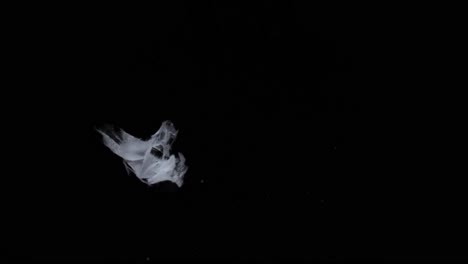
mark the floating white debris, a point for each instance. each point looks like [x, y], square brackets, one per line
[150, 160]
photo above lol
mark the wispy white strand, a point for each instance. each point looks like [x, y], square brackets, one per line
[150, 160]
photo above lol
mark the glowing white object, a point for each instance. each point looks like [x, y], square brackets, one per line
[149, 160]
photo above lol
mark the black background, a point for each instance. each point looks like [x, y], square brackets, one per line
[281, 112]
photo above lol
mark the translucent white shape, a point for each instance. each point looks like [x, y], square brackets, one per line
[150, 160]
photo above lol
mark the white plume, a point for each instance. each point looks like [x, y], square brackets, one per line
[150, 160]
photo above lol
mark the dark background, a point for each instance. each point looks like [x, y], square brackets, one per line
[295, 146]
